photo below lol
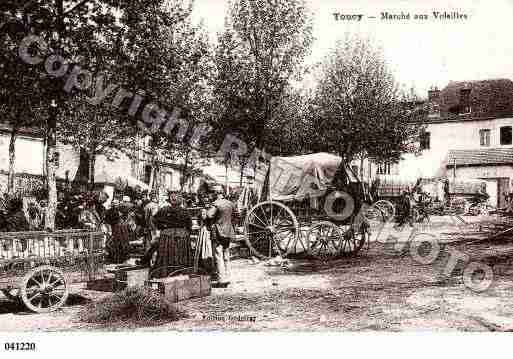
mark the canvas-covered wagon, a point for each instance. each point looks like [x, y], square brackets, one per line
[311, 204]
[38, 267]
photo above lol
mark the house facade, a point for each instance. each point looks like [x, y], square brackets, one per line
[468, 136]
[30, 166]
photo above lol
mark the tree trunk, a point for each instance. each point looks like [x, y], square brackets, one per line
[184, 172]
[12, 161]
[156, 180]
[152, 176]
[242, 166]
[51, 150]
[226, 178]
[51, 133]
[92, 161]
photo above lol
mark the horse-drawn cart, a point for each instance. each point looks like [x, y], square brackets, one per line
[310, 204]
[38, 267]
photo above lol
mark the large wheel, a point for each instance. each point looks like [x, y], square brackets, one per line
[387, 209]
[44, 289]
[324, 240]
[271, 229]
[354, 239]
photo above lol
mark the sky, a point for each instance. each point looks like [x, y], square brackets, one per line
[421, 53]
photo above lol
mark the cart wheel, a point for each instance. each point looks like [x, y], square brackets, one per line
[387, 208]
[271, 229]
[324, 240]
[44, 289]
[354, 239]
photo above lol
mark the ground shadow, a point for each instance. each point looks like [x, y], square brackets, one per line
[17, 307]
[312, 266]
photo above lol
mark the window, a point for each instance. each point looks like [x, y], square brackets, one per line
[484, 137]
[425, 140]
[506, 135]
[465, 101]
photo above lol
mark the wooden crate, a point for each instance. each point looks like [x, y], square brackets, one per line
[130, 277]
[182, 287]
[106, 284]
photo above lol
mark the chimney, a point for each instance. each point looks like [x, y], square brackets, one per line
[434, 95]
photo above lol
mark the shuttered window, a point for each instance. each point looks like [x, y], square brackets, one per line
[484, 137]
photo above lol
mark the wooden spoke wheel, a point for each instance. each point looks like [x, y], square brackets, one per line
[324, 240]
[271, 229]
[44, 289]
[387, 209]
[354, 239]
[376, 215]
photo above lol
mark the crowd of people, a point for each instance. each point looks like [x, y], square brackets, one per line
[126, 220]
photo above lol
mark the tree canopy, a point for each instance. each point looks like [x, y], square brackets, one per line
[358, 108]
[262, 47]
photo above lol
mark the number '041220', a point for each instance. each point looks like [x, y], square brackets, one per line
[19, 346]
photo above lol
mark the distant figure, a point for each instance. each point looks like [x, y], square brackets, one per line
[89, 217]
[15, 220]
[118, 243]
[447, 196]
[34, 217]
[221, 213]
[43, 205]
[404, 210]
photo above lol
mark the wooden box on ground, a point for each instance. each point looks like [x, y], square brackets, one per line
[130, 277]
[106, 284]
[182, 287]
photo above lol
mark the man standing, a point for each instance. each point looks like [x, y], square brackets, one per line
[404, 211]
[221, 213]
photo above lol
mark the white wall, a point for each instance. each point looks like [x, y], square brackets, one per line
[106, 170]
[451, 136]
[30, 159]
[29, 155]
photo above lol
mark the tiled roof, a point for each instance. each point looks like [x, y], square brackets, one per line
[492, 156]
[488, 99]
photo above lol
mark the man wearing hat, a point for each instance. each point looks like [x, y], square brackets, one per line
[221, 213]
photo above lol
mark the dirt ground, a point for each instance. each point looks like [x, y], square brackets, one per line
[382, 289]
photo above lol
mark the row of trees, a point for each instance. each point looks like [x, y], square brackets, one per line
[245, 84]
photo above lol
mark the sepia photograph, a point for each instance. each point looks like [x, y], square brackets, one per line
[241, 166]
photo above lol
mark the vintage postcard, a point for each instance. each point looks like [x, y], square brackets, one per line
[255, 166]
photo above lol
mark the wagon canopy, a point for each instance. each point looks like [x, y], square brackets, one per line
[290, 178]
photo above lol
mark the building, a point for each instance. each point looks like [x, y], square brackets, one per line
[468, 135]
[73, 165]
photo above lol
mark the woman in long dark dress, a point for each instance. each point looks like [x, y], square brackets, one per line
[117, 244]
